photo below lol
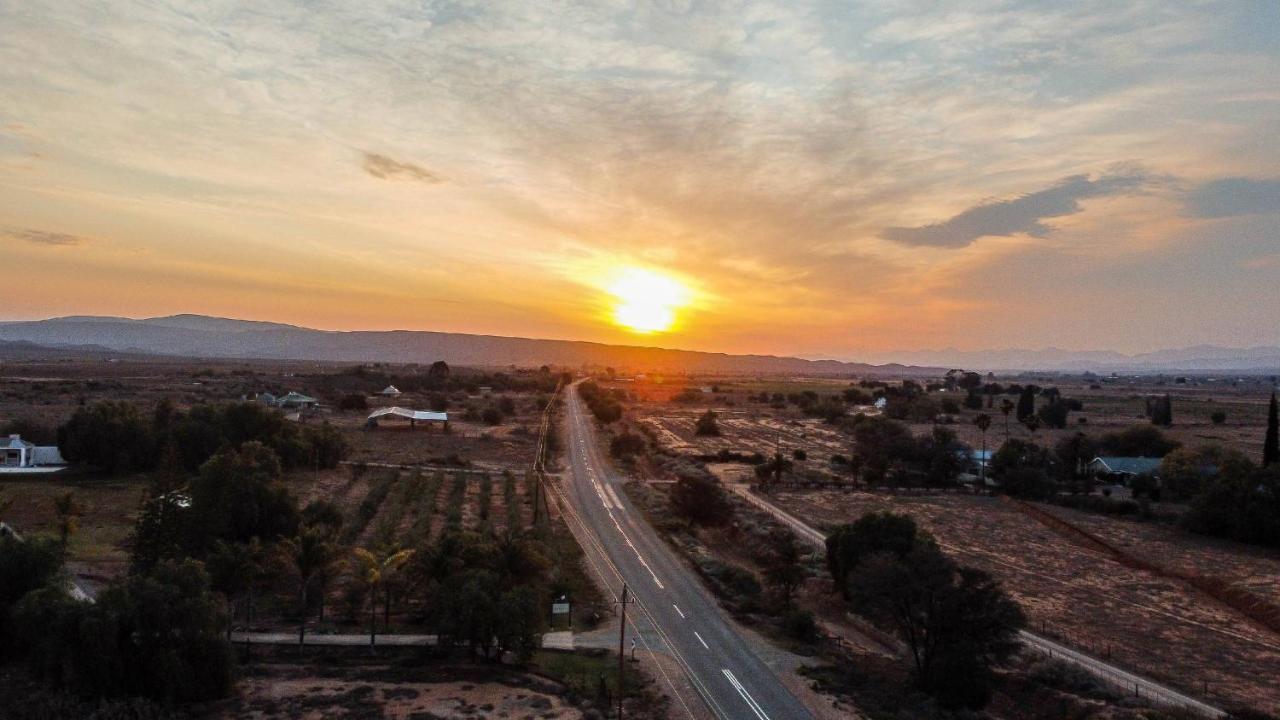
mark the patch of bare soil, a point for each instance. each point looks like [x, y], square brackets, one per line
[1153, 625]
[298, 694]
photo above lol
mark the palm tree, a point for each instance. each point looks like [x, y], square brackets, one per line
[374, 573]
[312, 554]
[69, 512]
[1006, 407]
[983, 421]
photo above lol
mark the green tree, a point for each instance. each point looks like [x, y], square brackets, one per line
[69, 513]
[112, 436]
[957, 622]
[1138, 441]
[374, 573]
[784, 569]
[706, 425]
[1185, 473]
[872, 533]
[156, 634]
[983, 422]
[1027, 403]
[1006, 407]
[701, 501]
[238, 496]
[312, 554]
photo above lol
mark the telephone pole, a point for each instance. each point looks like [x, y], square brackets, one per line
[622, 654]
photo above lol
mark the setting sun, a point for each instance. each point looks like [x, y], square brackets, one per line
[647, 301]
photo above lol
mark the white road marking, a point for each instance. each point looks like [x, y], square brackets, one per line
[613, 496]
[704, 642]
[751, 703]
[677, 607]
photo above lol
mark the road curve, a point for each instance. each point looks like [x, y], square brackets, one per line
[673, 612]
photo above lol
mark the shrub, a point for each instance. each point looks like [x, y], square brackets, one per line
[491, 416]
[1218, 417]
[800, 625]
[701, 501]
[707, 426]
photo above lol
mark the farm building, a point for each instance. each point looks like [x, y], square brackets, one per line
[1122, 469]
[390, 391]
[17, 454]
[295, 400]
[413, 416]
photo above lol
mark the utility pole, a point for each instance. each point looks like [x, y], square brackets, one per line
[622, 655]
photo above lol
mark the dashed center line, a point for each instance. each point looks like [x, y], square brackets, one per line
[704, 642]
[677, 607]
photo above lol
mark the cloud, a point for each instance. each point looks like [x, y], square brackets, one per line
[1023, 214]
[381, 166]
[1230, 197]
[45, 237]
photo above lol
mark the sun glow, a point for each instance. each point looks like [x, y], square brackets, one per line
[647, 301]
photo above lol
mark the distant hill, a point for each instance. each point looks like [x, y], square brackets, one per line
[210, 337]
[1199, 358]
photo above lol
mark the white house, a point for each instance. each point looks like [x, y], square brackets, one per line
[17, 454]
[390, 391]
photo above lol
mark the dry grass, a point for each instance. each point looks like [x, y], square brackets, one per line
[1155, 625]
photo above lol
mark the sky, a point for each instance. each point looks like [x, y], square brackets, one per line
[822, 179]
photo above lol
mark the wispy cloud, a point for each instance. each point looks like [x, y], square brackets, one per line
[45, 237]
[381, 166]
[1230, 197]
[1021, 215]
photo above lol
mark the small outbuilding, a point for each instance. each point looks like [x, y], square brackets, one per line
[413, 416]
[390, 391]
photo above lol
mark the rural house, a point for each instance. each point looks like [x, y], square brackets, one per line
[1120, 470]
[17, 454]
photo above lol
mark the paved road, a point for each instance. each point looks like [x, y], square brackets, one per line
[1104, 671]
[672, 610]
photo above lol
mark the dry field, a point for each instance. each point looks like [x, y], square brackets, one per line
[298, 693]
[1147, 623]
[98, 550]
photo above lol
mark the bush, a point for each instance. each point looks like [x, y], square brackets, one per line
[491, 416]
[707, 426]
[1138, 441]
[627, 445]
[701, 501]
[800, 625]
[1218, 417]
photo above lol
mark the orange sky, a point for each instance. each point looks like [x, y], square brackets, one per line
[825, 182]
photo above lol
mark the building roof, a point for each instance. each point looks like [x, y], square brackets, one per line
[296, 397]
[15, 442]
[1129, 465]
[47, 455]
[390, 390]
[409, 414]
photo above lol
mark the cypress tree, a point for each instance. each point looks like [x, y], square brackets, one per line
[1271, 445]
[1026, 403]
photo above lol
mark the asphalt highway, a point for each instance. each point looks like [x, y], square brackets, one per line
[672, 611]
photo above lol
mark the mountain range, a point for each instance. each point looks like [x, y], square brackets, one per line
[200, 336]
[213, 337]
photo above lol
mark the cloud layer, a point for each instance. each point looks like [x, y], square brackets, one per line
[822, 172]
[381, 166]
[1024, 214]
[45, 237]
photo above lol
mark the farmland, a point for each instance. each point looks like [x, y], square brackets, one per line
[1152, 624]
